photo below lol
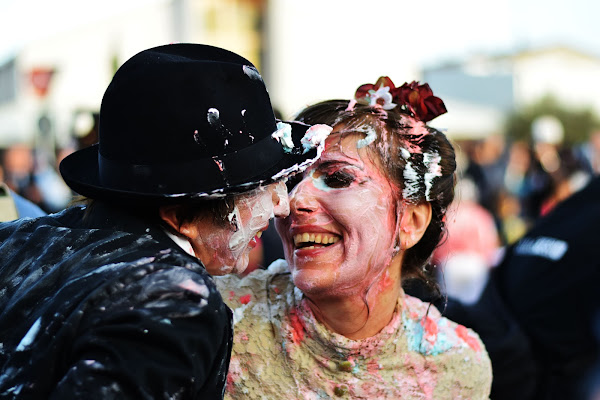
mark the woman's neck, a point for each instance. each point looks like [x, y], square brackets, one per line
[357, 316]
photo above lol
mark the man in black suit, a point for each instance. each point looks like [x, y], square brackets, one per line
[114, 299]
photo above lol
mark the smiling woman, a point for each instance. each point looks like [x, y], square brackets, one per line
[350, 201]
[333, 319]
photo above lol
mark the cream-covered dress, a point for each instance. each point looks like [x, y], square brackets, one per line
[281, 351]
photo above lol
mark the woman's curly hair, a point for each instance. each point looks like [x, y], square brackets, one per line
[402, 144]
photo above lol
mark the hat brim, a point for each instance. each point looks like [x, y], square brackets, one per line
[80, 170]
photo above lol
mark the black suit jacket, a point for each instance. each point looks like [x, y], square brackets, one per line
[106, 307]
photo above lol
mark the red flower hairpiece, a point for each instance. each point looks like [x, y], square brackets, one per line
[417, 99]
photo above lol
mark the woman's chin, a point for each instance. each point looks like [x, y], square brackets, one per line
[312, 281]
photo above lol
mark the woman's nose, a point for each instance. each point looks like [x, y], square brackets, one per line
[302, 198]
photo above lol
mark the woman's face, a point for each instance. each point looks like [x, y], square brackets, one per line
[340, 234]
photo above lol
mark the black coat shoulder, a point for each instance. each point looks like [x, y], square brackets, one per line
[104, 312]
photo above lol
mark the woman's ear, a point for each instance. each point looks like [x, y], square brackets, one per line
[169, 215]
[414, 221]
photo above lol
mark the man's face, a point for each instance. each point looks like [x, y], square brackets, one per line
[226, 249]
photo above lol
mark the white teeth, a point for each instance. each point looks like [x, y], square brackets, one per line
[314, 238]
[259, 234]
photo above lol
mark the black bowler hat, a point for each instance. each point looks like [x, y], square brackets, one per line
[184, 122]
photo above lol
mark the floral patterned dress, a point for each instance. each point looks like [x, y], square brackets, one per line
[281, 350]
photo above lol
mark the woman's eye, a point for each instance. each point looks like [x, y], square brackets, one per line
[338, 179]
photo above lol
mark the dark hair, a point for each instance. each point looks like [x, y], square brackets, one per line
[403, 144]
[217, 209]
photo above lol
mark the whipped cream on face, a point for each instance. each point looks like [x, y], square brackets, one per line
[259, 209]
[370, 138]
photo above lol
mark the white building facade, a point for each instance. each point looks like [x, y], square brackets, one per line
[307, 51]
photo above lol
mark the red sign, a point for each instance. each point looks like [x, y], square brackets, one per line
[40, 79]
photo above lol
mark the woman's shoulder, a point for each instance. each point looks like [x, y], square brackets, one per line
[454, 348]
[431, 333]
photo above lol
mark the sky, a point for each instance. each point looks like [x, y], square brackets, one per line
[24, 20]
[441, 29]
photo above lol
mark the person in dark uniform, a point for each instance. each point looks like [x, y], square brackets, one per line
[113, 299]
[538, 314]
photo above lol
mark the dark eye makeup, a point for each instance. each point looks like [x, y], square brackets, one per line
[333, 174]
[338, 179]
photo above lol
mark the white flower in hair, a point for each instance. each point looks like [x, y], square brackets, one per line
[381, 96]
[378, 94]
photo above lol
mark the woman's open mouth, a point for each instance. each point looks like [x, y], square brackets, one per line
[308, 240]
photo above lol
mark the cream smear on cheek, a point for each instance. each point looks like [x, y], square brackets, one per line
[261, 210]
[369, 246]
[251, 214]
[366, 222]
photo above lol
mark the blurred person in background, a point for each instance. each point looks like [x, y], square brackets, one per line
[589, 153]
[14, 206]
[333, 320]
[54, 194]
[549, 280]
[114, 299]
[485, 165]
[18, 165]
[554, 172]
[28, 173]
[538, 312]
[513, 223]
[472, 246]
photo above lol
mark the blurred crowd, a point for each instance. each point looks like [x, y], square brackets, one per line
[31, 172]
[517, 182]
[504, 187]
